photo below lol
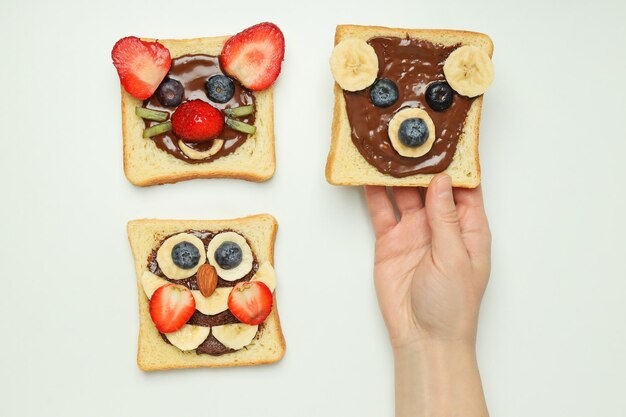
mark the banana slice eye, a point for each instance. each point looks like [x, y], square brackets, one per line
[231, 255]
[469, 71]
[181, 255]
[412, 132]
[354, 64]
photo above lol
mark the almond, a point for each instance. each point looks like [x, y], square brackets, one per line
[207, 279]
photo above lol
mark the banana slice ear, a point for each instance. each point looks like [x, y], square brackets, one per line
[354, 64]
[469, 71]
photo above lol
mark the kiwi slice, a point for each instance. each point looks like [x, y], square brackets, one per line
[157, 116]
[240, 126]
[157, 129]
[239, 111]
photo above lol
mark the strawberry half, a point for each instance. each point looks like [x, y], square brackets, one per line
[171, 306]
[254, 56]
[197, 121]
[141, 65]
[250, 302]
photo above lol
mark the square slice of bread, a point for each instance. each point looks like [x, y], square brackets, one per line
[346, 166]
[145, 164]
[153, 353]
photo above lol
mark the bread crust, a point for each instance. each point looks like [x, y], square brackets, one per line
[346, 166]
[152, 352]
[255, 162]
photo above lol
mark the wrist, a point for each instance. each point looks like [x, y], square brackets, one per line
[438, 378]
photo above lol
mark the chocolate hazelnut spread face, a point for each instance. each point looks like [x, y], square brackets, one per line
[192, 71]
[211, 345]
[412, 65]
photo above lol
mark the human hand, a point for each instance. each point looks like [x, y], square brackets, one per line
[432, 266]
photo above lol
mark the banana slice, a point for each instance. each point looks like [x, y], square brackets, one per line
[235, 336]
[469, 71]
[354, 64]
[394, 127]
[164, 256]
[188, 337]
[234, 272]
[151, 283]
[215, 304]
[193, 154]
[266, 275]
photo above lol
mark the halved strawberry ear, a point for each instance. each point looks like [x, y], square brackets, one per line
[254, 56]
[140, 65]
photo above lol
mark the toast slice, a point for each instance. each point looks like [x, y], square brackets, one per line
[153, 352]
[346, 166]
[145, 164]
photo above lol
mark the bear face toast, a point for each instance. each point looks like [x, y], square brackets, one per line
[206, 293]
[407, 105]
[199, 108]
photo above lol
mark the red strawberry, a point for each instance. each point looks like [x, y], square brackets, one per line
[251, 302]
[197, 121]
[140, 65]
[254, 56]
[171, 306]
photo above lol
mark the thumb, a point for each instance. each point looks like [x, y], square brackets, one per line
[442, 215]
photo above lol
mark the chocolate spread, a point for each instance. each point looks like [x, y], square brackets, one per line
[192, 71]
[211, 345]
[412, 64]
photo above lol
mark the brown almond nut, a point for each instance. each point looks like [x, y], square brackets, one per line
[207, 279]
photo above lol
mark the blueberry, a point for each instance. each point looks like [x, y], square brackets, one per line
[439, 95]
[170, 93]
[220, 88]
[413, 132]
[185, 255]
[384, 93]
[228, 255]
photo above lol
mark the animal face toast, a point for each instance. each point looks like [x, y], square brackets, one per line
[207, 291]
[199, 107]
[407, 99]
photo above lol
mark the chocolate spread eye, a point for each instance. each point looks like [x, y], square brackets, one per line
[220, 88]
[384, 93]
[413, 132]
[170, 92]
[185, 255]
[439, 95]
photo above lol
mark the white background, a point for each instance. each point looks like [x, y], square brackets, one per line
[552, 334]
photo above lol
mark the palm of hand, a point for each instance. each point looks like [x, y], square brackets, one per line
[432, 266]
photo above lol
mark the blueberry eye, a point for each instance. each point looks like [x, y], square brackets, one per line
[384, 93]
[170, 92]
[220, 88]
[228, 255]
[185, 255]
[439, 95]
[413, 132]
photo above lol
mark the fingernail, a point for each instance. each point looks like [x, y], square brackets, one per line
[444, 187]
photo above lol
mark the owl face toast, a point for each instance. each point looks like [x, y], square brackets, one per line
[188, 103]
[206, 292]
[404, 101]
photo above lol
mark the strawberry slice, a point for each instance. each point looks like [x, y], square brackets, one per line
[171, 306]
[254, 56]
[141, 65]
[250, 302]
